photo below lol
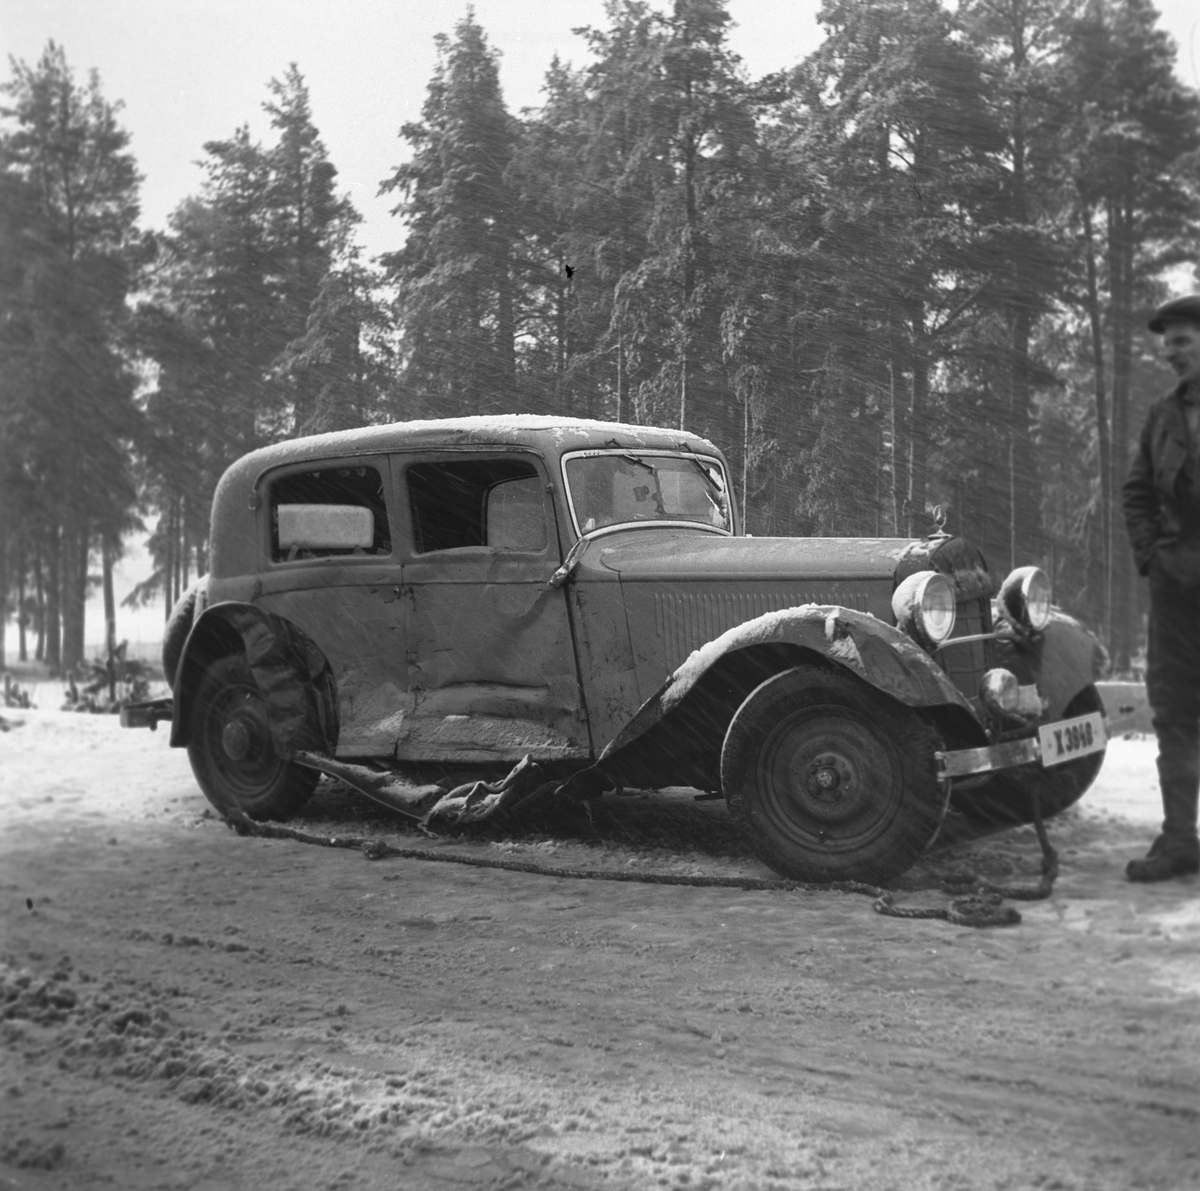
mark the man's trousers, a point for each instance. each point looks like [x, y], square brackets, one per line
[1173, 689]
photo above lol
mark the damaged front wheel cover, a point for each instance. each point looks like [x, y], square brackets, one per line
[231, 750]
[831, 780]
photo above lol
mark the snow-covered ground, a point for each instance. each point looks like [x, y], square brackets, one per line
[185, 1009]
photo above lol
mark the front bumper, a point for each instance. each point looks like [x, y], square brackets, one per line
[1055, 744]
[147, 714]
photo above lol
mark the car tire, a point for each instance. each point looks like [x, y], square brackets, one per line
[831, 779]
[1007, 800]
[231, 750]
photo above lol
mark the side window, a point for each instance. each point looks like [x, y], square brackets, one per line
[476, 502]
[328, 512]
[516, 515]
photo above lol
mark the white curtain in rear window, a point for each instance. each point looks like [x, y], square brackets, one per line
[325, 527]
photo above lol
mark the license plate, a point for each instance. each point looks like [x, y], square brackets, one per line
[1067, 739]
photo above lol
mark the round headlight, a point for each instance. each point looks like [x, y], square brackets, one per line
[1001, 691]
[924, 607]
[1025, 598]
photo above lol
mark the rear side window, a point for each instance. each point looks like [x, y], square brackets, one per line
[477, 502]
[329, 512]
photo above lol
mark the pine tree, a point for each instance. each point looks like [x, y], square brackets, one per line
[308, 223]
[1022, 44]
[455, 274]
[240, 320]
[1132, 130]
[343, 362]
[74, 187]
[893, 123]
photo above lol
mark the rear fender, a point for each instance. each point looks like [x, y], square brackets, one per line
[292, 674]
[675, 738]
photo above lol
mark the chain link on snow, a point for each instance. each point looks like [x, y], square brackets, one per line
[978, 903]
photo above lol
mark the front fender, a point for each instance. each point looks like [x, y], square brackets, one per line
[292, 674]
[1063, 659]
[684, 722]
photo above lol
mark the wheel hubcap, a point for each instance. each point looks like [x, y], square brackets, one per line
[235, 740]
[827, 779]
[240, 741]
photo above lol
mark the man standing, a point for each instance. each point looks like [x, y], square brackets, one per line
[1162, 514]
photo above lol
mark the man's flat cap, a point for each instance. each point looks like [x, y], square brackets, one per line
[1177, 310]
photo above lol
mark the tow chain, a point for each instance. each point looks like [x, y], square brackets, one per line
[977, 903]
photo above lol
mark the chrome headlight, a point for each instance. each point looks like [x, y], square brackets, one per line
[924, 607]
[1025, 598]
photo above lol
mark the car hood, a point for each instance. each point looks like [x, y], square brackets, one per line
[645, 554]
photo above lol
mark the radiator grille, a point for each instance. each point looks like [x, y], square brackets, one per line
[966, 664]
[687, 620]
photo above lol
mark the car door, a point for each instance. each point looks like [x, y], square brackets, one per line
[342, 590]
[491, 664]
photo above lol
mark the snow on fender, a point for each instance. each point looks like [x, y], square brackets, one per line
[881, 655]
[179, 624]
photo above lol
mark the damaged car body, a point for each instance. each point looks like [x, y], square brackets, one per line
[453, 614]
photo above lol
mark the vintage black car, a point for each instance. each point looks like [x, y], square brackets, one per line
[445, 599]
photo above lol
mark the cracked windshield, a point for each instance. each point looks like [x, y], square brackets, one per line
[618, 487]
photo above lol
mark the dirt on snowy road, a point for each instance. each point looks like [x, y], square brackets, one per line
[185, 1008]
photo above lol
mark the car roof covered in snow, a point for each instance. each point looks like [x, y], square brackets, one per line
[551, 436]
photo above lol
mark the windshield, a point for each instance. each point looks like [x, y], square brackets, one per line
[617, 487]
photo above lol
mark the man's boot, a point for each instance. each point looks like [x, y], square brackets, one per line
[1176, 851]
[1158, 865]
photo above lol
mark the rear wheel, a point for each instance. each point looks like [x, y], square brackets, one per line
[1007, 800]
[231, 750]
[831, 779]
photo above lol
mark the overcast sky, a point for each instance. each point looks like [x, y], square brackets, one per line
[190, 71]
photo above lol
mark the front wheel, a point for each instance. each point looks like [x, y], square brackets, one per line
[831, 779]
[231, 750]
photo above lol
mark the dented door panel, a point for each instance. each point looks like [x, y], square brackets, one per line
[605, 650]
[490, 659]
[360, 629]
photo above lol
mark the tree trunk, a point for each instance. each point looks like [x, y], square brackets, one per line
[690, 231]
[561, 292]
[4, 547]
[1104, 449]
[506, 342]
[1025, 530]
[53, 593]
[185, 545]
[918, 429]
[168, 536]
[110, 618]
[39, 605]
[745, 458]
[22, 632]
[81, 591]
[620, 377]
[67, 559]
[74, 589]
[1121, 236]
[898, 416]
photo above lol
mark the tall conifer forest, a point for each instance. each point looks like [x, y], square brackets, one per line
[912, 270]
